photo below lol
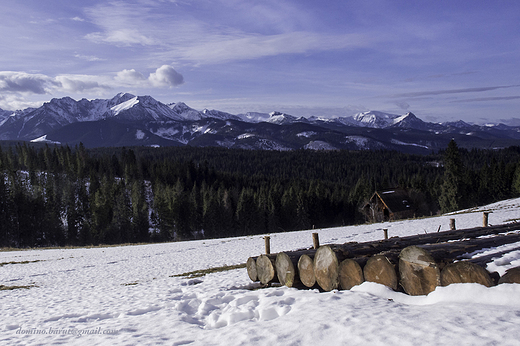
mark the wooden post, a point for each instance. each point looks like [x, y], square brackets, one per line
[386, 233]
[452, 224]
[267, 244]
[485, 219]
[315, 241]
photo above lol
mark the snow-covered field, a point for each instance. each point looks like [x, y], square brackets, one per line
[128, 296]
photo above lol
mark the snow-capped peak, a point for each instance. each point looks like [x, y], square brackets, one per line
[184, 111]
[374, 119]
[280, 118]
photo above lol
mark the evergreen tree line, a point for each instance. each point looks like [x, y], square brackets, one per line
[72, 196]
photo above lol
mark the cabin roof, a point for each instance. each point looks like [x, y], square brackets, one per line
[396, 200]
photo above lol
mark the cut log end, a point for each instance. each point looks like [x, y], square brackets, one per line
[512, 276]
[350, 274]
[306, 271]
[379, 269]
[251, 269]
[285, 270]
[465, 272]
[265, 269]
[418, 272]
[326, 268]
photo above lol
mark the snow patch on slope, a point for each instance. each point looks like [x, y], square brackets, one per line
[124, 106]
[319, 145]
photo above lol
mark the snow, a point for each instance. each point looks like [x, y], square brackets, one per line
[319, 145]
[359, 141]
[374, 119]
[124, 105]
[128, 295]
[43, 139]
[139, 134]
[246, 135]
[395, 141]
[306, 134]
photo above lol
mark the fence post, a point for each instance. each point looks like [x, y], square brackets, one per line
[267, 244]
[452, 224]
[315, 241]
[485, 219]
[386, 233]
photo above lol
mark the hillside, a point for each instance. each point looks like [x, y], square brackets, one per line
[144, 294]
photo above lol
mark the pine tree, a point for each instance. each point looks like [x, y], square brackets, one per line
[452, 189]
[140, 221]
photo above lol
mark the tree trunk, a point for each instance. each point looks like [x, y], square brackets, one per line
[418, 271]
[350, 274]
[379, 269]
[465, 272]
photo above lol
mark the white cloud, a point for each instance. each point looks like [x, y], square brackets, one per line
[129, 76]
[166, 76]
[16, 88]
[15, 102]
[78, 19]
[81, 83]
[21, 82]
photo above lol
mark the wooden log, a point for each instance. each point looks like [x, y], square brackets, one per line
[306, 270]
[512, 276]
[350, 274]
[326, 267]
[251, 269]
[354, 249]
[443, 253]
[286, 269]
[418, 271]
[379, 269]
[465, 272]
[266, 269]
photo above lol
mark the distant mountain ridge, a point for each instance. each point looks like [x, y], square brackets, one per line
[128, 120]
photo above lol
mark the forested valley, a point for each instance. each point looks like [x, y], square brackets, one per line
[57, 195]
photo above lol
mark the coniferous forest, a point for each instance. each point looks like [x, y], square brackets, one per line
[57, 195]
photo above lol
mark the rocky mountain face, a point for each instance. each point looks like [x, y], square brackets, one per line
[129, 120]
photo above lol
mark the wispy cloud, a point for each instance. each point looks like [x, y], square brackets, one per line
[88, 57]
[451, 91]
[197, 41]
[484, 99]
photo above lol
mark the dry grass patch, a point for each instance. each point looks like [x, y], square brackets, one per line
[203, 272]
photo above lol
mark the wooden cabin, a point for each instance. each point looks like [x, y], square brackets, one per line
[388, 205]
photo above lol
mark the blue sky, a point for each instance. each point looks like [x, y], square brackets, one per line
[442, 60]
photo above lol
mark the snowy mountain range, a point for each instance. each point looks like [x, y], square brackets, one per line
[129, 120]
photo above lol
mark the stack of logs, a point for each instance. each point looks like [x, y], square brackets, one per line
[413, 264]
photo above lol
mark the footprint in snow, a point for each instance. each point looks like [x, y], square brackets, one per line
[143, 311]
